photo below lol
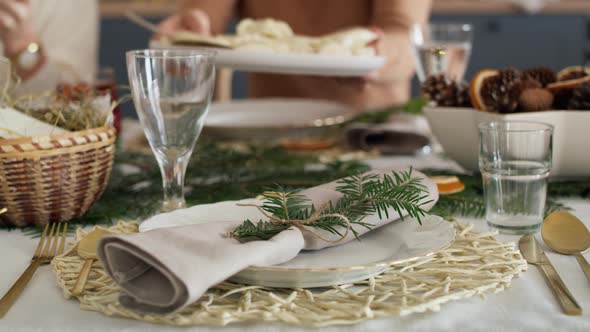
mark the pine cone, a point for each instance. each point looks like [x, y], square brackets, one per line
[580, 99]
[446, 92]
[463, 96]
[543, 75]
[535, 99]
[529, 83]
[561, 99]
[500, 93]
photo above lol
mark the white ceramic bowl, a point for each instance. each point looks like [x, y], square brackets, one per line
[456, 130]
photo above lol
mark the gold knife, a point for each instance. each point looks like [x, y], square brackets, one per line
[533, 253]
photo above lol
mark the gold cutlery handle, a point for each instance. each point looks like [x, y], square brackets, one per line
[583, 264]
[82, 278]
[566, 299]
[14, 292]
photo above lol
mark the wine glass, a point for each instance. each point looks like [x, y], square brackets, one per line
[172, 91]
[441, 48]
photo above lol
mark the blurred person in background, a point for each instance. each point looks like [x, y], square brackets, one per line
[388, 86]
[49, 41]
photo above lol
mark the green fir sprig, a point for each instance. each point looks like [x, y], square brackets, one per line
[246, 173]
[362, 195]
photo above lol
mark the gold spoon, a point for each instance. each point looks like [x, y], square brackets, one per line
[566, 234]
[87, 250]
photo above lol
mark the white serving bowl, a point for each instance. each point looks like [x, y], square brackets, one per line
[457, 131]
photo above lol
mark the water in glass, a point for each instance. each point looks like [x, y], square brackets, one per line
[515, 194]
[441, 48]
[442, 58]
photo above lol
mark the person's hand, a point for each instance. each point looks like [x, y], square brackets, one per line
[194, 20]
[395, 45]
[16, 28]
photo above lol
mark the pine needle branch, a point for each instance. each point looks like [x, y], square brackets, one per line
[363, 195]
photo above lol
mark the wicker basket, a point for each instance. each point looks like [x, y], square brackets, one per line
[53, 178]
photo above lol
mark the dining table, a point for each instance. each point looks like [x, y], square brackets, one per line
[527, 305]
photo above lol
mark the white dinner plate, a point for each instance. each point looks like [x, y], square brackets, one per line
[397, 242]
[265, 119]
[261, 120]
[291, 63]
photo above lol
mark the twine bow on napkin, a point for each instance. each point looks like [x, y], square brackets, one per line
[301, 223]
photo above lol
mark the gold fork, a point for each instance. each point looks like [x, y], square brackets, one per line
[47, 248]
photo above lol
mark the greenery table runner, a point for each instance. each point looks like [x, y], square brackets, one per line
[217, 173]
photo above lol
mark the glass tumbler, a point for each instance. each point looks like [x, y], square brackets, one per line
[441, 48]
[172, 91]
[515, 161]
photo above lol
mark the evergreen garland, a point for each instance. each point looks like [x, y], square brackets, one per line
[249, 172]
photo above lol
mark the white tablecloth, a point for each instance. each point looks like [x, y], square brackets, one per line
[528, 305]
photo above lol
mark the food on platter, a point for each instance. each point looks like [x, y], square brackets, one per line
[511, 90]
[354, 41]
[274, 36]
[268, 27]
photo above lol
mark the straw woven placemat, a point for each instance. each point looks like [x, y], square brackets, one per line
[476, 263]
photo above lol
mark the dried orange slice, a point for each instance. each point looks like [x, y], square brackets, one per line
[569, 84]
[571, 72]
[475, 87]
[448, 184]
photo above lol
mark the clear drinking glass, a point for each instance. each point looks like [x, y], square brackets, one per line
[441, 48]
[515, 161]
[172, 91]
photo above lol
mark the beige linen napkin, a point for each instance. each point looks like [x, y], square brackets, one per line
[166, 269]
